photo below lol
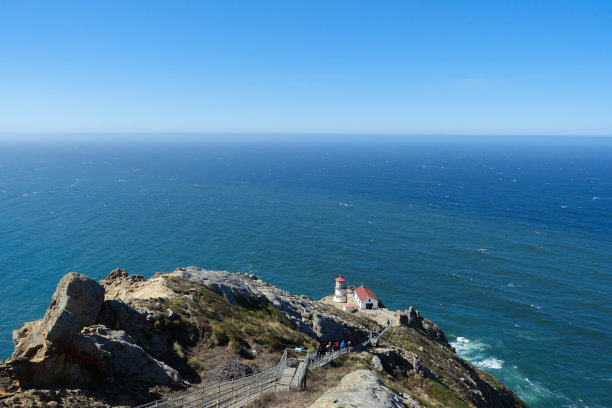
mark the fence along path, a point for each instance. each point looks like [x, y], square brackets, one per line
[238, 392]
[233, 393]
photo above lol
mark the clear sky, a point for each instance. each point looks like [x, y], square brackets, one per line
[426, 66]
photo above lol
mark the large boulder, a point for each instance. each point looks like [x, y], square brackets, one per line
[75, 304]
[135, 321]
[117, 356]
[66, 347]
[359, 389]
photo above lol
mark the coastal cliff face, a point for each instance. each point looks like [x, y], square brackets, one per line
[127, 340]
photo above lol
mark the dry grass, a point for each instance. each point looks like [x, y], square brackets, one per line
[212, 330]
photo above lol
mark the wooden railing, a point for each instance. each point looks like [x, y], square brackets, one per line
[300, 373]
[233, 393]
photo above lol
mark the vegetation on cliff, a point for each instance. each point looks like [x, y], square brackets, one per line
[194, 326]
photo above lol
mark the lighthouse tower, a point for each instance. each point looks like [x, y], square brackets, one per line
[340, 290]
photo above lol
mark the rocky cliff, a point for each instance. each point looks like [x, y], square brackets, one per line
[126, 340]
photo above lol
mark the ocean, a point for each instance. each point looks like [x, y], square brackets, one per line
[505, 243]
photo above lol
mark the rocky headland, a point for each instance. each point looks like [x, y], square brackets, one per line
[125, 341]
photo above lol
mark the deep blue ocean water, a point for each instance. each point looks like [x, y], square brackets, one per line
[507, 245]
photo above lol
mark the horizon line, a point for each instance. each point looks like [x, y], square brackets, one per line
[294, 133]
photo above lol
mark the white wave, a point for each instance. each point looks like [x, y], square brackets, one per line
[345, 204]
[475, 351]
[472, 350]
[491, 363]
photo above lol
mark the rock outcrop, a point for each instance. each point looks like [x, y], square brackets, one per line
[68, 347]
[359, 389]
[75, 304]
[412, 318]
[122, 286]
[391, 359]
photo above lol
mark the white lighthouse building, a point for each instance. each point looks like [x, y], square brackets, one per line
[340, 290]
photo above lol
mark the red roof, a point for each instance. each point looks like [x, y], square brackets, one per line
[364, 293]
[340, 279]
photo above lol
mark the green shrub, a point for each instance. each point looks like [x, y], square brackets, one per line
[444, 395]
[219, 333]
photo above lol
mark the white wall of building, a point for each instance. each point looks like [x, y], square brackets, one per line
[362, 303]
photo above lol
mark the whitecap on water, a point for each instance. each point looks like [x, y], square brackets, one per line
[476, 352]
[471, 350]
[491, 363]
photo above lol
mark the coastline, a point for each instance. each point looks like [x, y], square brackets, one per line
[128, 314]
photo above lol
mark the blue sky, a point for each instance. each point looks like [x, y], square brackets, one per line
[414, 67]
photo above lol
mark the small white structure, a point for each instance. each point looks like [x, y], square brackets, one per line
[349, 307]
[340, 290]
[365, 298]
